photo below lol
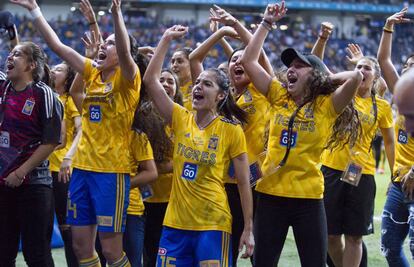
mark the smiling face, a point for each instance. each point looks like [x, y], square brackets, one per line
[19, 65]
[168, 82]
[180, 65]
[238, 77]
[298, 75]
[206, 92]
[369, 73]
[59, 74]
[107, 57]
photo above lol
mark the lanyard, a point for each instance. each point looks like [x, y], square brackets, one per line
[290, 132]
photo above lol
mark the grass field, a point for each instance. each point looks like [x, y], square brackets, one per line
[289, 255]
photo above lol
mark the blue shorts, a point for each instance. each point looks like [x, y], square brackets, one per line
[98, 198]
[185, 248]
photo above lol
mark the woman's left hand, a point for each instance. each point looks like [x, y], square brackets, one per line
[408, 186]
[13, 181]
[116, 6]
[64, 172]
[246, 240]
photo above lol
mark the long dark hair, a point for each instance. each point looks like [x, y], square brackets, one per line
[347, 126]
[37, 56]
[227, 107]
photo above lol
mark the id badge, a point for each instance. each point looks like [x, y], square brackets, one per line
[352, 174]
[146, 192]
[255, 174]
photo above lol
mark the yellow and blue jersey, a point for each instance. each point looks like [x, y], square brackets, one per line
[404, 152]
[202, 157]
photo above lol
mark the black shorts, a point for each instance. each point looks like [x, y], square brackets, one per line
[349, 209]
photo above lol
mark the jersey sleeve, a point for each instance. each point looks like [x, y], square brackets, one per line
[179, 117]
[141, 147]
[51, 115]
[72, 110]
[238, 142]
[274, 92]
[386, 118]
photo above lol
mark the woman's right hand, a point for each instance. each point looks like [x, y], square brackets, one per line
[175, 32]
[86, 8]
[355, 53]
[275, 12]
[29, 4]
[92, 44]
[397, 18]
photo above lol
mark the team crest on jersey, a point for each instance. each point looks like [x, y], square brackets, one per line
[309, 112]
[247, 97]
[28, 106]
[108, 87]
[213, 142]
[285, 106]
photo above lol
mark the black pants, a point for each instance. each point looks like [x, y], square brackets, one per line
[154, 213]
[60, 194]
[237, 226]
[26, 212]
[274, 216]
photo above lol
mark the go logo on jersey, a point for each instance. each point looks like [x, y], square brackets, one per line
[402, 137]
[95, 114]
[189, 171]
[284, 138]
[4, 139]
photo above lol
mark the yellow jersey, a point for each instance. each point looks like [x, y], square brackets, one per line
[404, 155]
[107, 114]
[161, 188]
[300, 177]
[257, 108]
[141, 150]
[361, 153]
[202, 157]
[186, 90]
[70, 112]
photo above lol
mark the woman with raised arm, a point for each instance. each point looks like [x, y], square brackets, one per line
[247, 98]
[180, 65]
[349, 169]
[62, 77]
[398, 208]
[197, 223]
[291, 191]
[157, 194]
[99, 189]
[30, 127]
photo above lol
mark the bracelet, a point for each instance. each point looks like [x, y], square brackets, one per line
[385, 29]
[67, 158]
[267, 25]
[91, 23]
[36, 13]
[322, 37]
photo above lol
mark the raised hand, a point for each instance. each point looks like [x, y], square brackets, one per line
[87, 11]
[213, 24]
[398, 18]
[275, 12]
[222, 16]
[326, 29]
[29, 4]
[116, 6]
[175, 32]
[92, 42]
[355, 53]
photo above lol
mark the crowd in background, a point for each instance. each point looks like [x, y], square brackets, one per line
[299, 35]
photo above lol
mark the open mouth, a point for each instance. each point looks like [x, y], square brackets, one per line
[292, 79]
[238, 71]
[9, 66]
[101, 55]
[197, 96]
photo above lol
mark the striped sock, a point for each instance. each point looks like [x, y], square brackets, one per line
[122, 262]
[90, 262]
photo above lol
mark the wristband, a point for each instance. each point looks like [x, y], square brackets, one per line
[91, 23]
[67, 158]
[322, 37]
[385, 29]
[267, 25]
[36, 13]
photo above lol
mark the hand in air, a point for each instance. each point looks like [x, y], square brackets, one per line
[355, 53]
[29, 4]
[275, 12]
